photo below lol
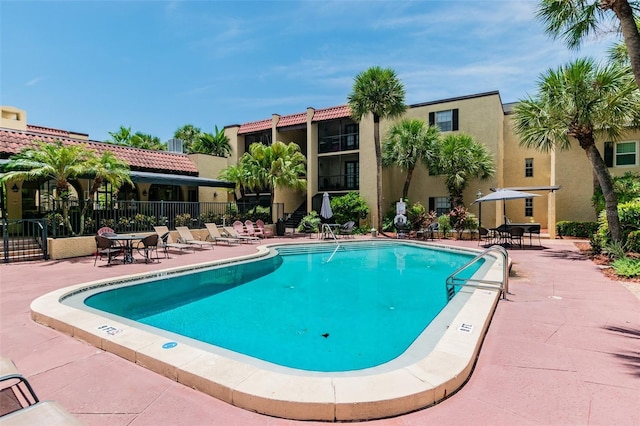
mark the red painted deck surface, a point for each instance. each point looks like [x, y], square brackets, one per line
[572, 360]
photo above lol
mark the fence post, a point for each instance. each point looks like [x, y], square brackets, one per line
[5, 238]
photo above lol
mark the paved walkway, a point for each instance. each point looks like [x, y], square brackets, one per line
[563, 350]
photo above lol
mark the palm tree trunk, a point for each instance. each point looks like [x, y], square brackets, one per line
[623, 11]
[376, 142]
[407, 182]
[606, 184]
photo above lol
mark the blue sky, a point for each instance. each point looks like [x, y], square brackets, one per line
[92, 66]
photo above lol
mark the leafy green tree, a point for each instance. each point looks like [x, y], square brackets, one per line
[581, 101]
[106, 168]
[573, 20]
[188, 134]
[277, 166]
[462, 158]
[409, 142]
[377, 91]
[350, 206]
[54, 161]
[212, 143]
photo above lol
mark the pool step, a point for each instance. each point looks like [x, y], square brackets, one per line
[331, 247]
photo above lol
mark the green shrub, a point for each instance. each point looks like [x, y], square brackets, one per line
[629, 215]
[350, 206]
[633, 241]
[310, 223]
[444, 221]
[576, 229]
[627, 267]
[417, 216]
[596, 243]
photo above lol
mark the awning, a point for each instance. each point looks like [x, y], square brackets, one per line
[167, 179]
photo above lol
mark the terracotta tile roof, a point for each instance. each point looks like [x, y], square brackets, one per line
[255, 126]
[52, 131]
[13, 141]
[332, 113]
[292, 120]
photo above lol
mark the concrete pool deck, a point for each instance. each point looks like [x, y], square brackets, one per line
[564, 349]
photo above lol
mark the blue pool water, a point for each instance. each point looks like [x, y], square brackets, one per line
[361, 309]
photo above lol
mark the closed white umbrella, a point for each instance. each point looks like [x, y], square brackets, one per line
[325, 210]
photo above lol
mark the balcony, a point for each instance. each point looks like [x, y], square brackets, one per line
[337, 143]
[338, 183]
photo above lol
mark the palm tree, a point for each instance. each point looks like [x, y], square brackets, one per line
[581, 101]
[146, 141]
[51, 161]
[106, 168]
[462, 158]
[238, 175]
[277, 166]
[213, 144]
[408, 142]
[188, 134]
[377, 91]
[121, 137]
[573, 20]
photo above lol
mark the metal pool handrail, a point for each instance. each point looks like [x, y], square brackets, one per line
[453, 281]
[326, 228]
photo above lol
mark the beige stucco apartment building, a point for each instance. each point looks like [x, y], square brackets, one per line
[341, 158]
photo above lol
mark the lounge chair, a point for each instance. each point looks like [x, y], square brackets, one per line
[251, 230]
[214, 234]
[231, 232]
[168, 243]
[267, 232]
[19, 404]
[106, 247]
[187, 238]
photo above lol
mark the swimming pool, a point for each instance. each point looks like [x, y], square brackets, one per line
[436, 364]
[315, 310]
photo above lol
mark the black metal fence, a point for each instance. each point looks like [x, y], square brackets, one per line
[24, 239]
[142, 216]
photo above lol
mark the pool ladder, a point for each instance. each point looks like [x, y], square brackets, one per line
[326, 230]
[503, 286]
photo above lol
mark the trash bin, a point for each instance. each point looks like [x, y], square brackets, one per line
[280, 229]
[374, 233]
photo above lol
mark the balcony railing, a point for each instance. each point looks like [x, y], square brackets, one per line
[338, 183]
[337, 143]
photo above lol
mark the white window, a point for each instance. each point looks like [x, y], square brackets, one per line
[443, 206]
[444, 120]
[528, 167]
[626, 154]
[528, 207]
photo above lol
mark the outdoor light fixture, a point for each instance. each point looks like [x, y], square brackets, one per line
[15, 188]
[144, 192]
[215, 194]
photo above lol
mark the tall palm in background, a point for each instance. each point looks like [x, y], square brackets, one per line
[377, 91]
[277, 166]
[573, 20]
[188, 134]
[146, 141]
[409, 142]
[54, 161]
[239, 175]
[581, 101]
[105, 168]
[462, 158]
[216, 143]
